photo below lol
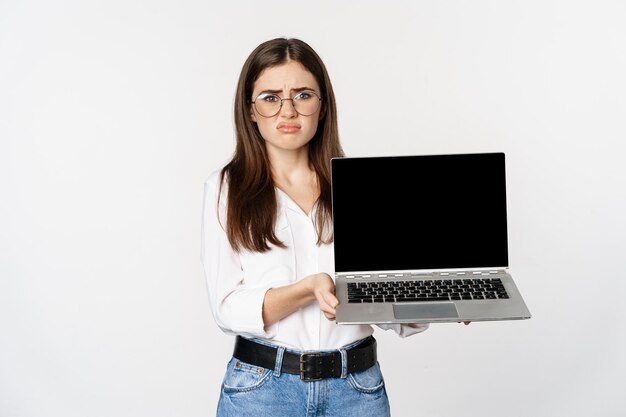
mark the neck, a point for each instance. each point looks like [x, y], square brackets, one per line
[290, 167]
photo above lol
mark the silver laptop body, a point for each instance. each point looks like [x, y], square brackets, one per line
[421, 239]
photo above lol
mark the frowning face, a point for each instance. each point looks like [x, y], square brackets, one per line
[287, 130]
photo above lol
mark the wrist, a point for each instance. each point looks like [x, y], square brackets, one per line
[308, 286]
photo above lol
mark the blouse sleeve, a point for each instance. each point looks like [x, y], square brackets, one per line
[405, 330]
[237, 308]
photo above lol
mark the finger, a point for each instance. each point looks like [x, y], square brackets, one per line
[326, 308]
[327, 301]
[329, 316]
[330, 299]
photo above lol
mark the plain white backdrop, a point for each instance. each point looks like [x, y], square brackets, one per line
[113, 113]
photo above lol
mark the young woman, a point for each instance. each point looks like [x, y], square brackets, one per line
[268, 255]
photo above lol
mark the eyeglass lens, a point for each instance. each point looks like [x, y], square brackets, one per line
[305, 102]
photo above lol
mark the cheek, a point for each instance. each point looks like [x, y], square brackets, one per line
[264, 127]
[315, 125]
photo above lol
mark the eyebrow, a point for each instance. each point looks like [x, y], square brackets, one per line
[293, 90]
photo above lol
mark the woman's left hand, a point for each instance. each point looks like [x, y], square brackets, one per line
[322, 287]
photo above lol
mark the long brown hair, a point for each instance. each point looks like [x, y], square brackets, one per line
[252, 204]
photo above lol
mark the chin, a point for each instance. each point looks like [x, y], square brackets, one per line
[290, 144]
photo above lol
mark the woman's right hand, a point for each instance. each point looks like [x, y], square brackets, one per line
[322, 287]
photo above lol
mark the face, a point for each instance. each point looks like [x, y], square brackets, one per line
[287, 130]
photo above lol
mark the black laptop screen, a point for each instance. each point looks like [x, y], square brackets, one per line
[419, 212]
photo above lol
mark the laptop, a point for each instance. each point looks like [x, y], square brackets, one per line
[422, 239]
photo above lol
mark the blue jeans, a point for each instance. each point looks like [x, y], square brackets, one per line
[251, 391]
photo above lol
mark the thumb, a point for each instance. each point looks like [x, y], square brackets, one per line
[331, 300]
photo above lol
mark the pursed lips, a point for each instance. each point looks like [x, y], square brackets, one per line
[288, 127]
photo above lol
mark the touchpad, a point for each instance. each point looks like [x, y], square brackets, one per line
[425, 311]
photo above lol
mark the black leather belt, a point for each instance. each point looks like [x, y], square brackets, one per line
[311, 366]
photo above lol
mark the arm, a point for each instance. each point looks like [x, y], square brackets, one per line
[408, 329]
[281, 302]
[405, 329]
[235, 304]
[241, 308]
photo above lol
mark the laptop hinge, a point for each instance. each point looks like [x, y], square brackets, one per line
[398, 274]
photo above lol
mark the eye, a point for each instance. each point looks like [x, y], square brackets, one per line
[303, 95]
[268, 98]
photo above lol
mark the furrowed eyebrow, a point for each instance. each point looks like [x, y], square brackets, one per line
[293, 90]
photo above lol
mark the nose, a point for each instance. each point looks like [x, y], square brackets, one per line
[288, 110]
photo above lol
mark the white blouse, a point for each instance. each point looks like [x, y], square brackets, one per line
[237, 282]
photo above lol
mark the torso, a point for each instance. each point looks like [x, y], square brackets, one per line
[305, 329]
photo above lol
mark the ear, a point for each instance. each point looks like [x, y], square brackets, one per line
[252, 115]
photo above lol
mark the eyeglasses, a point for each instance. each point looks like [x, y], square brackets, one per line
[304, 102]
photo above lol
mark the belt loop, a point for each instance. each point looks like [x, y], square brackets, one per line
[344, 362]
[279, 361]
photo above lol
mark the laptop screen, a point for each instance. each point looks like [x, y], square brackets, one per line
[419, 212]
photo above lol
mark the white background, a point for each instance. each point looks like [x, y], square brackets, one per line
[112, 114]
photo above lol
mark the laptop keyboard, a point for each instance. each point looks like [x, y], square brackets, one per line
[395, 291]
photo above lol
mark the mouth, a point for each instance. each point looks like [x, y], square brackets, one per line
[288, 127]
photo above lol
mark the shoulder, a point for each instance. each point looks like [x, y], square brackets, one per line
[214, 179]
[212, 189]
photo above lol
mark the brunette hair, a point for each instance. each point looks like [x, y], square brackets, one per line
[252, 204]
